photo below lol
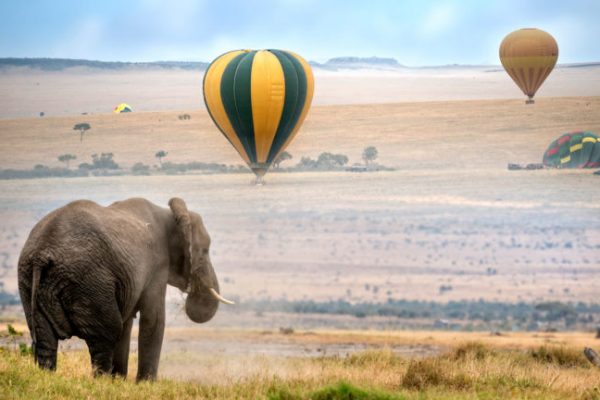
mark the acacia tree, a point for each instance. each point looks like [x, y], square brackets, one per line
[282, 157]
[160, 154]
[369, 154]
[82, 128]
[66, 158]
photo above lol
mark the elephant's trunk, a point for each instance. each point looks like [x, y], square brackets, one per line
[203, 299]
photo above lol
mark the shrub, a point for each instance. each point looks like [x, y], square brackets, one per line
[559, 355]
[140, 169]
[346, 391]
[428, 372]
[475, 350]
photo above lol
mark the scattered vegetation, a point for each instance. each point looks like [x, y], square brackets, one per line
[480, 372]
[559, 355]
[160, 155]
[369, 154]
[82, 128]
[282, 157]
[104, 164]
[103, 161]
[67, 158]
[463, 315]
[171, 168]
[325, 162]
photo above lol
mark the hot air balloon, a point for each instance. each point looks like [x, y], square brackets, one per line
[529, 55]
[258, 99]
[574, 150]
[122, 108]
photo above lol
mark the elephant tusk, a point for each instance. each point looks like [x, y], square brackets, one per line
[219, 297]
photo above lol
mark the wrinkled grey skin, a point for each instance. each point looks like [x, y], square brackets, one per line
[86, 270]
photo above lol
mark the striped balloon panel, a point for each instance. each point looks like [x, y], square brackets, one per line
[574, 150]
[258, 99]
[529, 72]
[529, 55]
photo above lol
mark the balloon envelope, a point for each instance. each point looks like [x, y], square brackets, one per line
[529, 55]
[258, 99]
[122, 108]
[574, 150]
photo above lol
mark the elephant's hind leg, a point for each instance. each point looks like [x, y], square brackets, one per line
[96, 315]
[121, 352]
[101, 354]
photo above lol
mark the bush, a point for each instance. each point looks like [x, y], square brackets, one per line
[40, 171]
[425, 373]
[104, 161]
[475, 350]
[325, 162]
[561, 356]
[140, 169]
[370, 358]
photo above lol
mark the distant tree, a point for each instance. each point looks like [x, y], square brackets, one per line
[331, 161]
[307, 163]
[160, 154]
[369, 154]
[282, 157]
[66, 158]
[42, 114]
[82, 128]
[325, 161]
[103, 161]
[140, 169]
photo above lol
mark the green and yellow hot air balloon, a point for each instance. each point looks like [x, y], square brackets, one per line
[122, 108]
[258, 99]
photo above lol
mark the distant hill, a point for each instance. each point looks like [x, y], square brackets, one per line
[336, 63]
[59, 64]
[376, 61]
[333, 64]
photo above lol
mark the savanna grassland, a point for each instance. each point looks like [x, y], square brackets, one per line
[448, 223]
[450, 215]
[546, 366]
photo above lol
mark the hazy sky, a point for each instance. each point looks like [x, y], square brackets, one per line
[415, 32]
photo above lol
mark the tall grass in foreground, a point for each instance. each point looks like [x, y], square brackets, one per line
[470, 370]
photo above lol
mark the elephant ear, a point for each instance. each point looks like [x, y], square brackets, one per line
[184, 224]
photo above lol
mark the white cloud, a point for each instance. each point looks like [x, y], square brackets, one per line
[82, 40]
[177, 16]
[440, 18]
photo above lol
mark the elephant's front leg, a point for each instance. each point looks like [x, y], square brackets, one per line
[152, 327]
[121, 352]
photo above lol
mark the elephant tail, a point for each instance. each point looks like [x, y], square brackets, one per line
[35, 284]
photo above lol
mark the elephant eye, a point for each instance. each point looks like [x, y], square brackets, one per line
[205, 251]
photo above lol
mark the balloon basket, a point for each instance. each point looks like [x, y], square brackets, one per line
[259, 181]
[530, 101]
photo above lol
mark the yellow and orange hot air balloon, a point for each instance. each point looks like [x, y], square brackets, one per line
[529, 55]
[258, 99]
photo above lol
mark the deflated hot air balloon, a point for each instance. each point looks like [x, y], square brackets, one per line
[122, 108]
[529, 55]
[258, 99]
[574, 150]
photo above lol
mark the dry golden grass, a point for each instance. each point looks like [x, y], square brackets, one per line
[409, 135]
[467, 370]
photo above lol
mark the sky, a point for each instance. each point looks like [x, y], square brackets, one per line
[415, 32]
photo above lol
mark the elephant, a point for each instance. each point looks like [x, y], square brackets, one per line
[87, 270]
